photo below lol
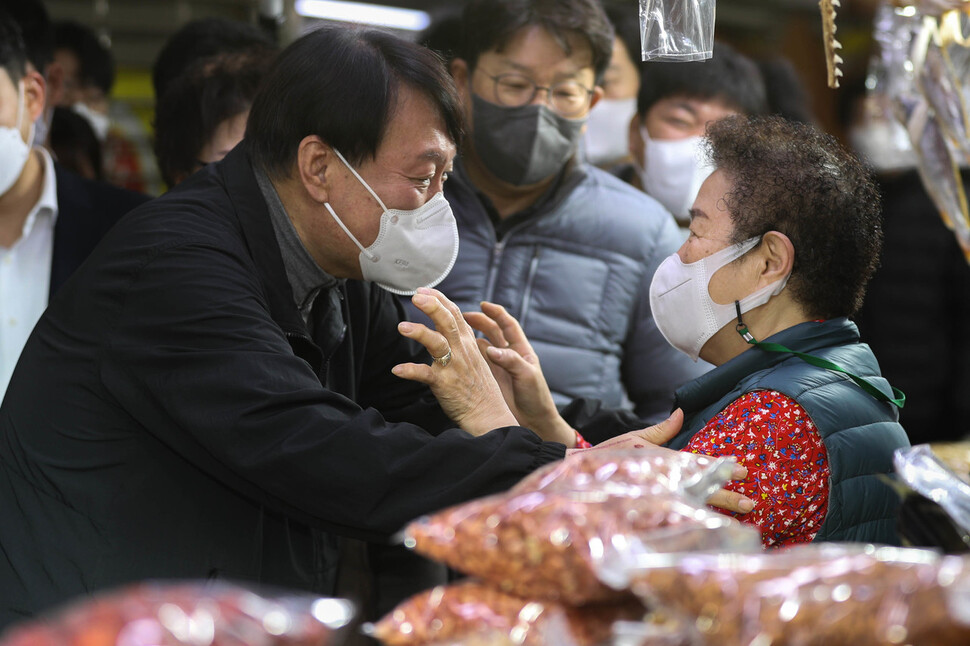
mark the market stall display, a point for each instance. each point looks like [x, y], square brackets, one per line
[545, 543]
[862, 595]
[535, 549]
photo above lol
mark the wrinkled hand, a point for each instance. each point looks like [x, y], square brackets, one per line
[464, 386]
[516, 369]
[655, 437]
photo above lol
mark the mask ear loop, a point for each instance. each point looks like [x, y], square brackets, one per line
[350, 235]
[370, 255]
[21, 102]
[360, 179]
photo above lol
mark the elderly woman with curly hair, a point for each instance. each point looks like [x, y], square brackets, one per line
[784, 236]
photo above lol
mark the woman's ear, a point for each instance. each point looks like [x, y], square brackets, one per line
[778, 256]
[315, 166]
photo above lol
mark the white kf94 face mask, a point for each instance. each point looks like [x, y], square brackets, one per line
[681, 303]
[673, 171]
[606, 138]
[413, 249]
[14, 151]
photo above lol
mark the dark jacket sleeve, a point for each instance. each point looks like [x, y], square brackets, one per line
[86, 211]
[198, 362]
[596, 423]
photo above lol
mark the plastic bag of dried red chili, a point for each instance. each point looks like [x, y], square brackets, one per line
[650, 471]
[190, 614]
[549, 544]
[829, 593]
[472, 612]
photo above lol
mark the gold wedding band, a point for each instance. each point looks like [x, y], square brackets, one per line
[443, 360]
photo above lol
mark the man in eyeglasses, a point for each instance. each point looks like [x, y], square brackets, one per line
[566, 248]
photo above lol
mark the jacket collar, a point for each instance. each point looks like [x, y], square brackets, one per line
[253, 214]
[805, 337]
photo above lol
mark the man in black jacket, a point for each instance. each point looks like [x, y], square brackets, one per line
[50, 219]
[212, 394]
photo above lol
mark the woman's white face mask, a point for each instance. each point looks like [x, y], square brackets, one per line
[681, 303]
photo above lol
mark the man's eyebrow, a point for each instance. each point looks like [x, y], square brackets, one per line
[434, 156]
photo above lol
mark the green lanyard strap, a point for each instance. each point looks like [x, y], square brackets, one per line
[899, 401]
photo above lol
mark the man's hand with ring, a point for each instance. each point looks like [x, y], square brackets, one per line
[458, 375]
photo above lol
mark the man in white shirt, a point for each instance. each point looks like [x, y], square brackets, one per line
[37, 249]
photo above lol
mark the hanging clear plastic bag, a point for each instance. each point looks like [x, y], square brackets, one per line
[677, 30]
[472, 612]
[190, 613]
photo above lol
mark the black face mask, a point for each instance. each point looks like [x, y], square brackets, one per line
[523, 145]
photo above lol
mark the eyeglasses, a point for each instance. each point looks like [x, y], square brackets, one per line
[568, 98]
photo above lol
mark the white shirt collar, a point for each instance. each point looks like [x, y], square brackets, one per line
[47, 203]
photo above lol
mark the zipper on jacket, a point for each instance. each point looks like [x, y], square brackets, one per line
[527, 292]
[493, 270]
[291, 336]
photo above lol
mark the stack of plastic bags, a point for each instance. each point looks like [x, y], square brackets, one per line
[812, 595]
[534, 552]
[188, 614]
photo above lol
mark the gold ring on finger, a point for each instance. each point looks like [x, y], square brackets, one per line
[444, 359]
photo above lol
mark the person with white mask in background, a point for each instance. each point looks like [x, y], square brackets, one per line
[675, 104]
[564, 245]
[605, 142]
[50, 219]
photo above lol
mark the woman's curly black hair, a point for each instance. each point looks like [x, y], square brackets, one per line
[792, 178]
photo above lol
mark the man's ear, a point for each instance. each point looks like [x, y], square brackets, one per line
[35, 94]
[315, 166]
[778, 257]
[459, 71]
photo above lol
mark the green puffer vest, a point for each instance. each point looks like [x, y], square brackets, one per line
[860, 433]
